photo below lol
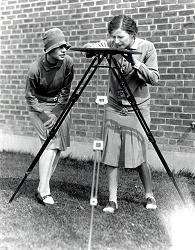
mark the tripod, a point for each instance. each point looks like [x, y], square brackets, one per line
[98, 55]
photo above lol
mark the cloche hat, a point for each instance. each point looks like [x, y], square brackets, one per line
[54, 38]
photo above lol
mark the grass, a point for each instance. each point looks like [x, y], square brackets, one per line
[26, 225]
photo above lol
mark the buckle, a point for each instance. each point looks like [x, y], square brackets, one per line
[124, 112]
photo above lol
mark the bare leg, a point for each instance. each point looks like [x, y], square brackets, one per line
[112, 186]
[145, 176]
[112, 183]
[45, 170]
[55, 163]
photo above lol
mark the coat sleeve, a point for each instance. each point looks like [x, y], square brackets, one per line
[65, 91]
[30, 91]
[148, 70]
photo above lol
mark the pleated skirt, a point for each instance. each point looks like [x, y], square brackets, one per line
[125, 141]
[62, 138]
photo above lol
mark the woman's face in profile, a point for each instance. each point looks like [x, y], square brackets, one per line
[122, 39]
[58, 53]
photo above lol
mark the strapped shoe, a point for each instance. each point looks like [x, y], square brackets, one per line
[110, 208]
[44, 200]
[151, 203]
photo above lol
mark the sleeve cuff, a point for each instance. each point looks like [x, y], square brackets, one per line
[137, 64]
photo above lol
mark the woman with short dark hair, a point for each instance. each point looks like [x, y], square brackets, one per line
[124, 134]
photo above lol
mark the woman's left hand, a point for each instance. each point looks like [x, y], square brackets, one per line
[129, 58]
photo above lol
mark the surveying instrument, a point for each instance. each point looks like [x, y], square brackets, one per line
[98, 55]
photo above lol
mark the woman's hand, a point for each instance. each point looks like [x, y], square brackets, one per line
[100, 44]
[50, 123]
[103, 44]
[129, 58]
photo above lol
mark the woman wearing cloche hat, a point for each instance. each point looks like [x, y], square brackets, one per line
[47, 91]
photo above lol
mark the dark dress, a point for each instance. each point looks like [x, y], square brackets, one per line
[47, 91]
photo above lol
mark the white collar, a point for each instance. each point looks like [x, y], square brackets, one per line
[135, 44]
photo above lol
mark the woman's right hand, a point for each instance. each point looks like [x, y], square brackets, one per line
[50, 123]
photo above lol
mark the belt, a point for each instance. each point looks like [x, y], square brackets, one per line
[47, 98]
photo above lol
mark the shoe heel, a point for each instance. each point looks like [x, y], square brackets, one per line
[39, 199]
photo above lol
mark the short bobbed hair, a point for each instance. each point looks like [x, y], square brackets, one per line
[123, 22]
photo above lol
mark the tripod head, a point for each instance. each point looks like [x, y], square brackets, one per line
[91, 52]
[105, 51]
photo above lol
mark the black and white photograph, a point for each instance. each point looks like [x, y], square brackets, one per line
[97, 124]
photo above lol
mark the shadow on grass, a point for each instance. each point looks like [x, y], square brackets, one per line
[29, 187]
[66, 225]
[72, 190]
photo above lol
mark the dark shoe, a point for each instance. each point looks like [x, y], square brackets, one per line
[110, 208]
[44, 200]
[151, 203]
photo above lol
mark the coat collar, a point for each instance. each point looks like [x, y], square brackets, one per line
[47, 66]
[136, 43]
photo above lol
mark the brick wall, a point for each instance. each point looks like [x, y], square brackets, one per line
[169, 24]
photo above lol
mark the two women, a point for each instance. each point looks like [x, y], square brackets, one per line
[47, 91]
